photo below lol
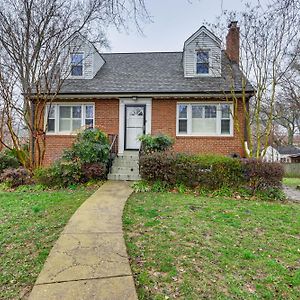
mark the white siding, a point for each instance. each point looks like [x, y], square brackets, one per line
[202, 41]
[98, 62]
[92, 61]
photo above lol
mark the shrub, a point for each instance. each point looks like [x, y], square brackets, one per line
[86, 160]
[191, 170]
[90, 146]
[61, 174]
[93, 171]
[261, 175]
[15, 177]
[158, 166]
[212, 172]
[154, 143]
[8, 161]
[46, 176]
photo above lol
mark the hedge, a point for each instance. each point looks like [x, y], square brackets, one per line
[209, 171]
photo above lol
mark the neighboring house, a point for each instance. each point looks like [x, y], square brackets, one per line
[284, 154]
[181, 94]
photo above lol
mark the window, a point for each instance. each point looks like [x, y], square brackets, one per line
[225, 119]
[77, 64]
[51, 119]
[202, 63]
[204, 119]
[65, 118]
[182, 127]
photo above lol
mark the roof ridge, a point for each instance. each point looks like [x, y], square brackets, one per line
[142, 52]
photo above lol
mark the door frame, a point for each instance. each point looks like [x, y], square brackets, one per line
[133, 100]
[125, 125]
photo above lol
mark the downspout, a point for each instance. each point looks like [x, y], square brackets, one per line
[245, 129]
[32, 132]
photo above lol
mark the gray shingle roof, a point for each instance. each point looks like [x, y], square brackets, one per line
[153, 72]
[288, 150]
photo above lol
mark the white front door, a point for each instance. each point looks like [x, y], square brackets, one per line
[134, 125]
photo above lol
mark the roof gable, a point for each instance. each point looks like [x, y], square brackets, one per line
[203, 30]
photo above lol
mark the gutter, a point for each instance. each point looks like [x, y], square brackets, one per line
[148, 95]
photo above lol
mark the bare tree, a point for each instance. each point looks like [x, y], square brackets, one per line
[268, 33]
[33, 37]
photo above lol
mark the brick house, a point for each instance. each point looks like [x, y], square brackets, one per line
[183, 94]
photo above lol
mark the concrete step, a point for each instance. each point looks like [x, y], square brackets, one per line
[128, 157]
[128, 177]
[124, 170]
[126, 163]
[131, 153]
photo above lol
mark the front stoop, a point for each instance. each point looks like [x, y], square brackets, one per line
[125, 167]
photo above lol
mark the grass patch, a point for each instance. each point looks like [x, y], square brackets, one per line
[30, 223]
[187, 247]
[291, 182]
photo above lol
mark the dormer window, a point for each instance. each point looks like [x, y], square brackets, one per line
[202, 63]
[76, 64]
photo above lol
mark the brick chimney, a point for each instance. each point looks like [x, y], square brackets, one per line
[233, 42]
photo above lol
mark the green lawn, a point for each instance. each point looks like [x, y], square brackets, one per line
[292, 182]
[186, 247]
[30, 223]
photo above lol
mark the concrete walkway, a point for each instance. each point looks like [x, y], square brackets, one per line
[89, 260]
[291, 193]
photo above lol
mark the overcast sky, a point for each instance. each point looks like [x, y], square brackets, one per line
[173, 22]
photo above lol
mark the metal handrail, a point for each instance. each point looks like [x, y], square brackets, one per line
[113, 150]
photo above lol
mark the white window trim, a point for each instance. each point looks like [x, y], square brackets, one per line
[56, 112]
[70, 64]
[189, 123]
[210, 73]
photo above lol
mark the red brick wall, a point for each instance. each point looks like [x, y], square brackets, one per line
[164, 121]
[106, 118]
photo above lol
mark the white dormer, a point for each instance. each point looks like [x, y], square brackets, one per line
[81, 59]
[202, 54]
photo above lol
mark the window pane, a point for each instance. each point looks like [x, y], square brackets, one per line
[65, 111]
[76, 124]
[76, 58]
[89, 123]
[89, 112]
[225, 126]
[64, 125]
[76, 112]
[51, 125]
[182, 126]
[197, 111]
[202, 68]
[204, 126]
[51, 112]
[182, 111]
[210, 111]
[76, 71]
[202, 57]
[225, 111]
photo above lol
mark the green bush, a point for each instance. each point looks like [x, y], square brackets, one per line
[46, 176]
[90, 146]
[8, 161]
[154, 143]
[190, 170]
[84, 161]
[60, 174]
[211, 172]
